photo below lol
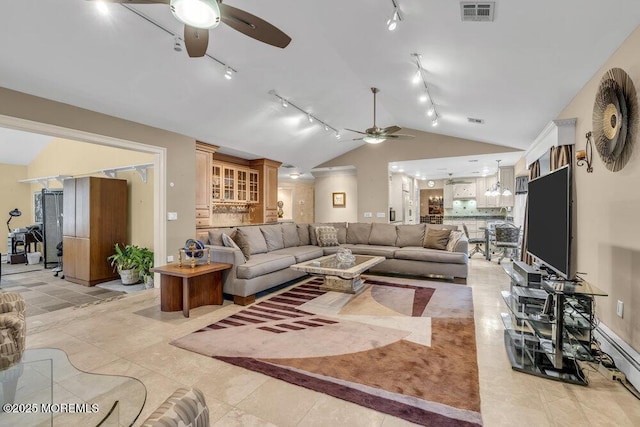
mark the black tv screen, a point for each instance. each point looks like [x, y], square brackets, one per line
[549, 218]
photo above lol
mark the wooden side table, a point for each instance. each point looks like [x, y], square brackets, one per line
[182, 288]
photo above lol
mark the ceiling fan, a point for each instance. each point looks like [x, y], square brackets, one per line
[198, 16]
[376, 135]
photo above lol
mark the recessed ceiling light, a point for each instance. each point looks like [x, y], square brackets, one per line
[102, 8]
[394, 166]
[400, 170]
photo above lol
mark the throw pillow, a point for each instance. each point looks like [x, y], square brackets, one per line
[243, 243]
[255, 238]
[215, 236]
[436, 239]
[453, 240]
[327, 236]
[383, 234]
[229, 243]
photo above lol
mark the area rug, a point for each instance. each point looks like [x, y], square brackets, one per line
[403, 347]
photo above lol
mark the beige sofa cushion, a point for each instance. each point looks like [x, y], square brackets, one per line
[215, 236]
[301, 253]
[273, 236]
[383, 234]
[303, 234]
[430, 255]
[255, 239]
[358, 233]
[373, 250]
[410, 235]
[265, 263]
[290, 235]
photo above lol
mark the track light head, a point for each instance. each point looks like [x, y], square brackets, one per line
[177, 44]
[285, 104]
[338, 136]
[228, 73]
[434, 122]
[310, 118]
[392, 23]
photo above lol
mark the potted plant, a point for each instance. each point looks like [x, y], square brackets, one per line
[127, 262]
[146, 262]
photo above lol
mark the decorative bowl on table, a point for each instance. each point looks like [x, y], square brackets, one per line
[344, 256]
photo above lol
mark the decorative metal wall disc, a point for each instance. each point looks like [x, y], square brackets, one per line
[615, 118]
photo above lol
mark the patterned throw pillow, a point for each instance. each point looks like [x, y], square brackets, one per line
[453, 240]
[437, 239]
[327, 236]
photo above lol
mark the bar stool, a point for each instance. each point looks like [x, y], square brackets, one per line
[477, 240]
[508, 238]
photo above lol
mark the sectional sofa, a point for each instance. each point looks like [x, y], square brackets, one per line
[273, 248]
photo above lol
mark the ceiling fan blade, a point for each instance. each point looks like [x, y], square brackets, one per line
[391, 129]
[399, 136]
[253, 26]
[356, 131]
[196, 41]
[135, 1]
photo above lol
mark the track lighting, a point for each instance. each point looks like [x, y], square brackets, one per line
[417, 77]
[392, 23]
[285, 103]
[431, 111]
[177, 44]
[228, 73]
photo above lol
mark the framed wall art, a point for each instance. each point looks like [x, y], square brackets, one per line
[339, 200]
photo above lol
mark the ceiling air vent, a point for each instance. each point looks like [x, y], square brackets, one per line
[477, 11]
[475, 121]
[288, 166]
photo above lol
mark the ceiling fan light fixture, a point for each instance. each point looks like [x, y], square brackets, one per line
[102, 7]
[204, 14]
[392, 23]
[372, 139]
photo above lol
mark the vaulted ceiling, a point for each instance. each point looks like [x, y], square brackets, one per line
[515, 73]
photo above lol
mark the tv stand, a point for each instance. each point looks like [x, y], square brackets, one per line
[549, 324]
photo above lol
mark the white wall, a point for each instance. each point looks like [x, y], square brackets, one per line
[327, 183]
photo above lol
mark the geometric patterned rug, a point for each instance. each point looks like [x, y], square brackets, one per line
[405, 348]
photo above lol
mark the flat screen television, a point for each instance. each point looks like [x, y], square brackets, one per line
[550, 216]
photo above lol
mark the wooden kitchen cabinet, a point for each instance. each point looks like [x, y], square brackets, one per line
[464, 191]
[95, 219]
[266, 209]
[204, 182]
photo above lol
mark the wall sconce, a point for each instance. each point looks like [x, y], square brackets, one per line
[586, 156]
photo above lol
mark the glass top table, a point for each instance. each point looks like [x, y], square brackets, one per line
[45, 389]
[339, 276]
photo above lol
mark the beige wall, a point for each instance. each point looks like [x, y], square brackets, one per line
[302, 199]
[65, 157]
[608, 230]
[371, 162]
[327, 183]
[180, 150]
[14, 195]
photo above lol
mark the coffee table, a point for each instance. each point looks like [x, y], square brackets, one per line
[45, 389]
[339, 276]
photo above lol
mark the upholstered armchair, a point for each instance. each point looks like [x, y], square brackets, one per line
[185, 407]
[13, 329]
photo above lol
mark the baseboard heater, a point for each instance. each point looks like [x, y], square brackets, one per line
[626, 358]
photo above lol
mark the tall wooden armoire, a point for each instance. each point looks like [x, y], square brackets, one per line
[95, 219]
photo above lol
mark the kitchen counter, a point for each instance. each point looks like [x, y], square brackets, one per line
[486, 217]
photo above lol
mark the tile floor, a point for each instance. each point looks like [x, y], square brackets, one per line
[45, 293]
[131, 336]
